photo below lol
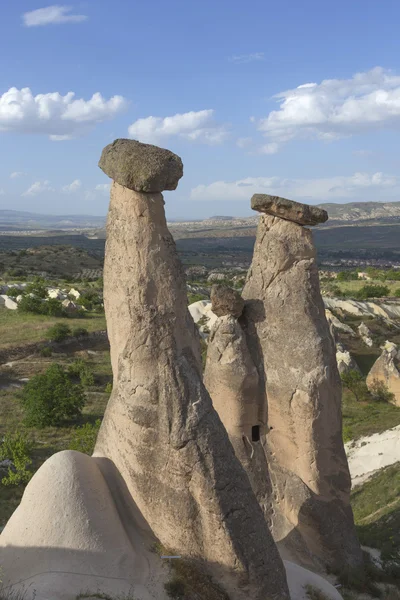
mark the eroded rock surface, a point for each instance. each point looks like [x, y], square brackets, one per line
[141, 167]
[386, 370]
[290, 210]
[288, 336]
[226, 301]
[365, 334]
[160, 429]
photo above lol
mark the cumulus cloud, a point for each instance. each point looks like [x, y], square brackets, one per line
[51, 15]
[246, 58]
[196, 126]
[39, 187]
[316, 190]
[59, 117]
[72, 187]
[16, 174]
[336, 108]
[271, 148]
[103, 188]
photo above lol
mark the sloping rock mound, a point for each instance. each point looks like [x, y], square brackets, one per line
[299, 579]
[66, 537]
[386, 370]
[160, 429]
[365, 334]
[292, 348]
[389, 311]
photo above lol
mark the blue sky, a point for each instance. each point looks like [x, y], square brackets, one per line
[217, 82]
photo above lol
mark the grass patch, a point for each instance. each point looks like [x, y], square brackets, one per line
[24, 328]
[376, 507]
[49, 440]
[366, 418]
[315, 594]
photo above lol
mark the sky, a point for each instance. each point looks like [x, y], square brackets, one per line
[297, 99]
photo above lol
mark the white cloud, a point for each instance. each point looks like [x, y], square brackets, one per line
[51, 15]
[246, 58]
[196, 126]
[59, 117]
[271, 148]
[244, 142]
[72, 187]
[103, 188]
[16, 174]
[39, 187]
[317, 190]
[336, 108]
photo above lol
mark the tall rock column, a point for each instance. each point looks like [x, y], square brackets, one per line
[160, 429]
[288, 336]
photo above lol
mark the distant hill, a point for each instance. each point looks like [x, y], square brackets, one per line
[355, 212]
[21, 220]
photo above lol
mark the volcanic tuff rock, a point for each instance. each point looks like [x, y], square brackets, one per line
[288, 336]
[160, 429]
[385, 369]
[303, 214]
[226, 301]
[365, 334]
[141, 167]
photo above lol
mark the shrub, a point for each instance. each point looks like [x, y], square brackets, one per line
[355, 383]
[380, 392]
[16, 448]
[80, 369]
[397, 293]
[51, 398]
[31, 304]
[58, 332]
[109, 387]
[84, 437]
[79, 332]
[347, 276]
[37, 287]
[53, 308]
[45, 351]
[372, 291]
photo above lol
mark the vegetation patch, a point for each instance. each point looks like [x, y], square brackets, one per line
[366, 418]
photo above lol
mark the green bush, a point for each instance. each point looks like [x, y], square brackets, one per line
[45, 351]
[80, 369]
[347, 276]
[16, 448]
[372, 291]
[84, 437]
[53, 308]
[58, 332]
[31, 304]
[380, 392]
[37, 287]
[79, 332]
[109, 387]
[397, 293]
[355, 383]
[51, 398]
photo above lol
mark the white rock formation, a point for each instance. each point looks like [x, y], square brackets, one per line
[365, 335]
[337, 324]
[386, 370]
[8, 302]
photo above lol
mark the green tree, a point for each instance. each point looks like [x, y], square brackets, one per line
[37, 287]
[16, 448]
[347, 275]
[54, 308]
[84, 437]
[397, 293]
[51, 398]
[380, 392]
[31, 304]
[355, 383]
[58, 332]
[372, 291]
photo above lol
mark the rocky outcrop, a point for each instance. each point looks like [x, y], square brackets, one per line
[160, 429]
[141, 167]
[386, 370]
[337, 325]
[226, 301]
[303, 214]
[67, 537]
[291, 346]
[365, 334]
[345, 361]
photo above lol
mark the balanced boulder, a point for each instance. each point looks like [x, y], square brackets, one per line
[141, 167]
[226, 301]
[303, 214]
[289, 338]
[160, 429]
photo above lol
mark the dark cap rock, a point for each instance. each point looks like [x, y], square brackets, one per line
[226, 301]
[303, 214]
[141, 167]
